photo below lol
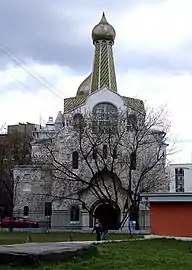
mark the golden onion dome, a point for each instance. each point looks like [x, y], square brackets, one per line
[103, 31]
[84, 88]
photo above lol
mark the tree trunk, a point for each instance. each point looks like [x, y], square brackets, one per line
[134, 215]
[137, 227]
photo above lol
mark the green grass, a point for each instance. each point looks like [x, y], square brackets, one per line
[135, 255]
[7, 238]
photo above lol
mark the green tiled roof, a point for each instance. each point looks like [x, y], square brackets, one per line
[135, 104]
[103, 68]
[73, 103]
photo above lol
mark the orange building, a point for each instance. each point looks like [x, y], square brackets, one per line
[170, 213]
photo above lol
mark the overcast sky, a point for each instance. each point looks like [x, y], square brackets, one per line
[52, 39]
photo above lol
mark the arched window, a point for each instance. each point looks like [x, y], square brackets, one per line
[105, 118]
[78, 122]
[75, 159]
[74, 213]
[26, 211]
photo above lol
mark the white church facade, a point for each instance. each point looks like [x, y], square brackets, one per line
[65, 173]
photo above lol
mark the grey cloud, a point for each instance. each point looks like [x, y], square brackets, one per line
[176, 62]
[58, 32]
[48, 31]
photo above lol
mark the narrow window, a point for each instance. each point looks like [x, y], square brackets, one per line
[75, 160]
[179, 180]
[26, 211]
[131, 122]
[78, 121]
[133, 161]
[48, 209]
[105, 151]
[94, 153]
[74, 213]
[115, 153]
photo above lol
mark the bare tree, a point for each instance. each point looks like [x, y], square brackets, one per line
[114, 156]
[14, 150]
[149, 148]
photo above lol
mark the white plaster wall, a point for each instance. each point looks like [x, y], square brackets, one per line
[104, 95]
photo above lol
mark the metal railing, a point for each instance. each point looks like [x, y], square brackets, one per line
[60, 221]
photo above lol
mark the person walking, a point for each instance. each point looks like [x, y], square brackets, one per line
[104, 231]
[97, 229]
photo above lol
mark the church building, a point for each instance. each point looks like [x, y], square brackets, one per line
[80, 163]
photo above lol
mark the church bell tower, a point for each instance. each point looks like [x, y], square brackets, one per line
[103, 74]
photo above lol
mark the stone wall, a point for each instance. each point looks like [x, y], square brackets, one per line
[32, 187]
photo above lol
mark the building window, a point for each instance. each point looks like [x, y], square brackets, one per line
[115, 153]
[75, 157]
[48, 209]
[94, 153]
[105, 151]
[74, 213]
[179, 180]
[78, 121]
[27, 187]
[133, 160]
[105, 118]
[26, 211]
[131, 122]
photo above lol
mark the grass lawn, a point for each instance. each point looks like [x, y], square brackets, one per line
[147, 255]
[7, 238]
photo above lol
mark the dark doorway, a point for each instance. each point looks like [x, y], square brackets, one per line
[108, 215]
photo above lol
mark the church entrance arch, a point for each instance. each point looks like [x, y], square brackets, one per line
[108, 214]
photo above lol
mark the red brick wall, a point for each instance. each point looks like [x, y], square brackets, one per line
[171, 219]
